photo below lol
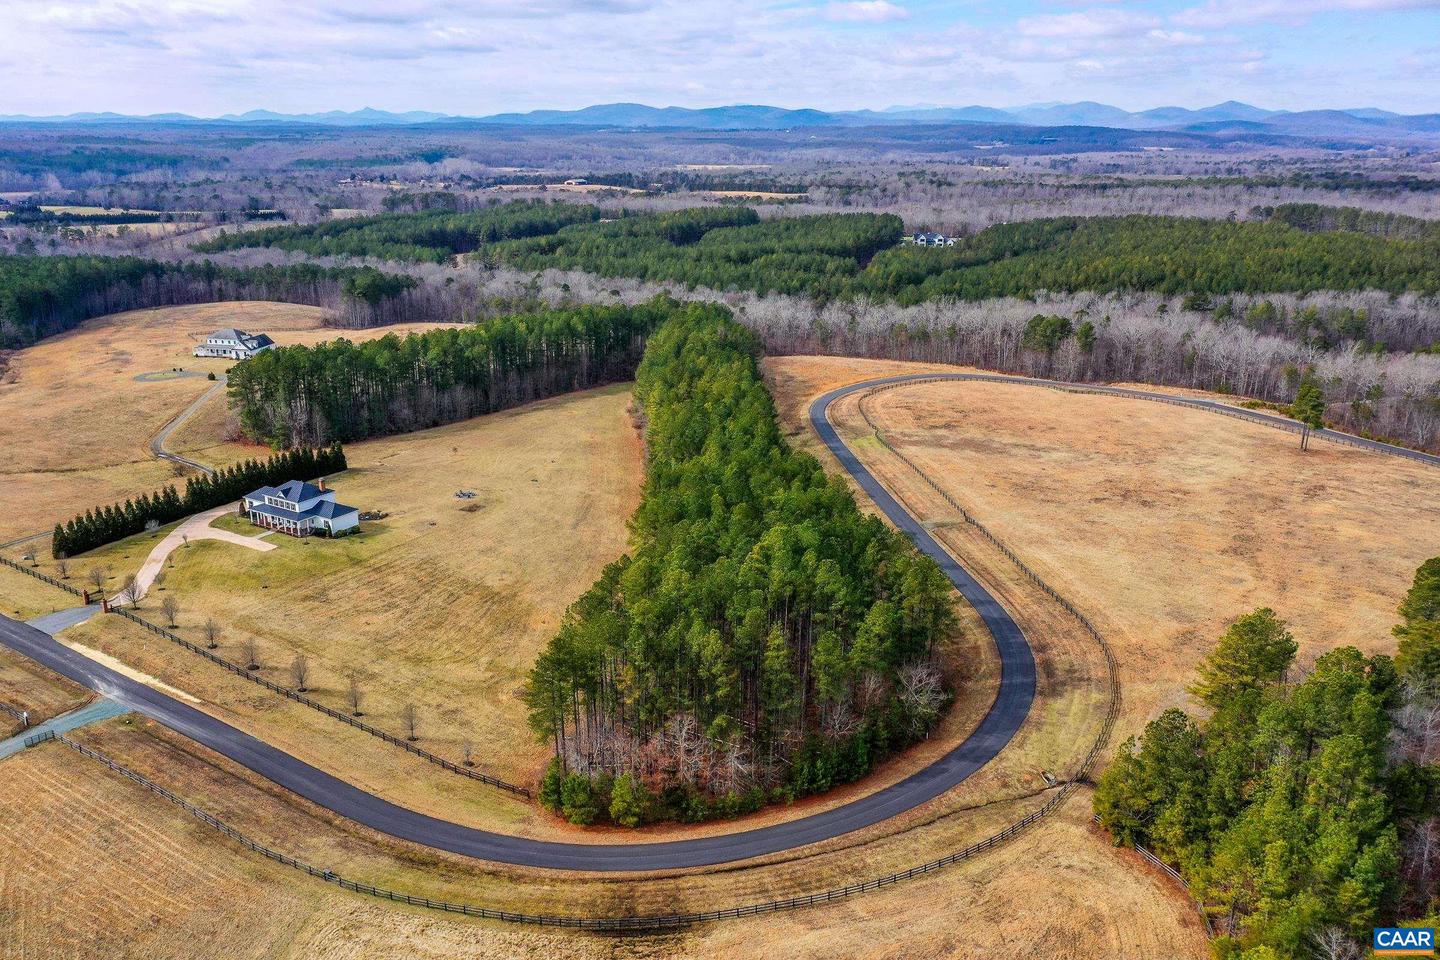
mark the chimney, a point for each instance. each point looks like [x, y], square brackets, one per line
[322, 484]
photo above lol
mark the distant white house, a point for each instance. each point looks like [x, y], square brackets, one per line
[233, 344]
[576, 182]
[300, 509]
[930, 240]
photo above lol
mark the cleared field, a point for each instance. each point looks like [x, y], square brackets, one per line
[1040, 896]
[1036, 897]
[443, 604]
[23, 597]
[25, 685]
[1163, 523]
[567, 187]
[76, 423]
[96, 211]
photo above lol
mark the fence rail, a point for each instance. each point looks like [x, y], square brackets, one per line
[6, 561]
[663, 921]
[1236, 413]
[656, 922]
[17, 713]
[678, 920]
[39, 738]
[291, 694]
[1112, 713]
[1173, 874]
[1112, 670]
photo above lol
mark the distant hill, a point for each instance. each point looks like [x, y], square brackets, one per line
[1228, 119]
[336, 118]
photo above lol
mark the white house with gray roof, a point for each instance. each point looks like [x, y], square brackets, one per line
[300, 509]
[233, 344]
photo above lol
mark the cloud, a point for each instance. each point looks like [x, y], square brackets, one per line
[866, 11]
[1228, 13]
[480, 56]
[1086, 24]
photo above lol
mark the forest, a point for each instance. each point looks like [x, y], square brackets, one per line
[102, 525]
[1317, 217]
[1301, 807]
[430, 235]
[41, 296]
[839, 256]
[763, 639]
[343, 391]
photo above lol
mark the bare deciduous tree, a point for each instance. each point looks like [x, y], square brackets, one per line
[1333, 943]
[250, 653]
[97, 576]
[130, 592]
[63, 567]
[1420, 862]
[922, 694]
[352, 696]
[171, 608]
[300, 672]
[467, 748]
[211, 631]
[411, 720]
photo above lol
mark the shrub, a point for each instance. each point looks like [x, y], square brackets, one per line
[628, 801]
[550, 785]
[577, 800]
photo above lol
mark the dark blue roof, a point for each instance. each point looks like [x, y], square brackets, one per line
[297, 491]
[329, 509]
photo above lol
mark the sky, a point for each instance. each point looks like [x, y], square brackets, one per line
[473, 57]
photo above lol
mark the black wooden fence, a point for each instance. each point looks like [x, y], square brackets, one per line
[292, 694]
[17, 713]
[6, 561]
[675, 920]
[656, 922]
[1112, 711]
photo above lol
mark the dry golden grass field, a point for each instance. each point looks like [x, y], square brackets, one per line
[141, 879]
[25, 685]
[23, 597]
[1161, 523]
[1059, 891]
[443, 604]
[76, 424]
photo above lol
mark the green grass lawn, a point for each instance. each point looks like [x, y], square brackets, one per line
[236, 524]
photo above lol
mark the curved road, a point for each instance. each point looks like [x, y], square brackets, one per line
[1012, 704]
[1006, 714]
[157, 442]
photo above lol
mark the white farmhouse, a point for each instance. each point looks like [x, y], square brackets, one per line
[300, 509]
[930, 240]
[234, 344]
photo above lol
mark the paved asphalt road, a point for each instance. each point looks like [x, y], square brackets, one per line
[1007, 713]
[1012, 704]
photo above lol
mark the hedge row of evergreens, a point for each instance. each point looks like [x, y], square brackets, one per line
[97, 527]
[343, 391]
[1289, 804]
[764, 637]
